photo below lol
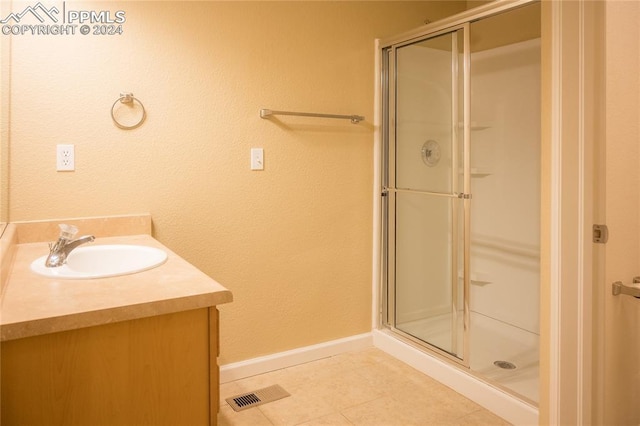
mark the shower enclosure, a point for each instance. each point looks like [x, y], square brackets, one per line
[461, 193]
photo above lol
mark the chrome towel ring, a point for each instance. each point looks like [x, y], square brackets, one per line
[128, 98]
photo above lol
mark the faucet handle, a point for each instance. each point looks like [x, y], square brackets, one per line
[67, 231]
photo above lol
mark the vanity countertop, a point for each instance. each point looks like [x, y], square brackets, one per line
[34, 305]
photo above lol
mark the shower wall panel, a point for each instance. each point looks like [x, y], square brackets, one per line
[505, 167]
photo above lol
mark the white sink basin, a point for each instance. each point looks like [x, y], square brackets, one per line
[103, 261]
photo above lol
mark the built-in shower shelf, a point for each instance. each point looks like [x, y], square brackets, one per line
[477, 172]
[480, 282]
[476, 126]
[477, 278]
[479, 127]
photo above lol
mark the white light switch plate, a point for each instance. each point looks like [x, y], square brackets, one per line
[257, 159]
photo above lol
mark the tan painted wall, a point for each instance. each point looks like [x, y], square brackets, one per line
[622, 314]
[293, 242]
[5, 61]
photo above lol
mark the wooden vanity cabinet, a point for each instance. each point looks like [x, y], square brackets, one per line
[159, 370]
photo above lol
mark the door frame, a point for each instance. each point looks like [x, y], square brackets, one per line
[572, 129]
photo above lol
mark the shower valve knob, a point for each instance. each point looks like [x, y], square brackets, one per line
[431, 153]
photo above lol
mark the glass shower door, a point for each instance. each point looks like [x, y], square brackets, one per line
[426, 182]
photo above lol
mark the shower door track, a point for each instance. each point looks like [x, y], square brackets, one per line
[477, 13]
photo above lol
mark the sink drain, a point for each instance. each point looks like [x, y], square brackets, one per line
[505, 365]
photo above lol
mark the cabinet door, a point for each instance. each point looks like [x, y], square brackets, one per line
[150, 371]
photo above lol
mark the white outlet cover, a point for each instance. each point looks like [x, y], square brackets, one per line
[65, 158]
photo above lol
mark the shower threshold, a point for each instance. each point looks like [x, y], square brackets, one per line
[493, 342]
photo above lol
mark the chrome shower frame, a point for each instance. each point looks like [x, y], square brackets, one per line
[387, 49]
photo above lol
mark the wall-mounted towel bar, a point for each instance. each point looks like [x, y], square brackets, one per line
[355, 119]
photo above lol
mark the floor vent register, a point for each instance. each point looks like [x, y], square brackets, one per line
[255, 398]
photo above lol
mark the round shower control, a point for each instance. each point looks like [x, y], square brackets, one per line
[431, 153]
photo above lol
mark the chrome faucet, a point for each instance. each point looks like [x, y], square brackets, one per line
[59, 250]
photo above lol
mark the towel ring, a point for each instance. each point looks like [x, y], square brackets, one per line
[128, 98]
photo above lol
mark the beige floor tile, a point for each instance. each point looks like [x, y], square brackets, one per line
[482, 418]
[402, 367]
[368, 388]
[450, 403]
[341, 390]
[317, 370]
[390, 411]
[384, 377]
[278, 377]
[384, 411]
[364, 358]
[335, 419]
[298, 408]
[228, 390]
[250, 417]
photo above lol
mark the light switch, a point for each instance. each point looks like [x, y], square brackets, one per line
[257, 159]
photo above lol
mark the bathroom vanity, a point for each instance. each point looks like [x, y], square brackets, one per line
[134, 349]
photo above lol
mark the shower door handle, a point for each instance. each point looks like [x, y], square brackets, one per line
[619, 288]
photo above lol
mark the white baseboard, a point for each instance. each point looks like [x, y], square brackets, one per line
[495, 400]
[277, 361]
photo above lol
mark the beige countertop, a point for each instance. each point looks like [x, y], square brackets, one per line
[33, 305]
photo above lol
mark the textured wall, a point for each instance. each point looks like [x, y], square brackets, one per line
[5, 61]
[293, 242]
[622, 314]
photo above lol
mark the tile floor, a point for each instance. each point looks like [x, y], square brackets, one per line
[365, 387]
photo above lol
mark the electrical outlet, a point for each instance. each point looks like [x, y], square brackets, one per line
[65, 158]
